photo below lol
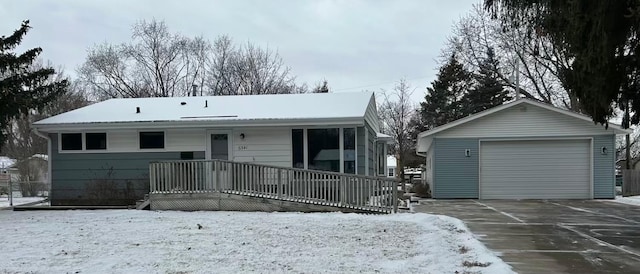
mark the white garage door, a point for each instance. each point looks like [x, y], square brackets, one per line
[558, 169]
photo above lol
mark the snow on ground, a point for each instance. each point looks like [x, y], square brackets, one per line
[133, 241]
[631, 200]
[4, 201]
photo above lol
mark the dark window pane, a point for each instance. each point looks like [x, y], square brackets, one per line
[152, 139]
[381, 156]
[71, 141]
[96, 140]
[324, 149]
[220, 146]
[186, 155]
[349, 150]
[297, 147]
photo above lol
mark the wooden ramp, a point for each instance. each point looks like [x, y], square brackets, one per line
[225, 185]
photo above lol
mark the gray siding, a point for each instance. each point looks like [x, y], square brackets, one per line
[372, 145]
[455, 175]
[603, 167]
[102, 178]
[360, 150]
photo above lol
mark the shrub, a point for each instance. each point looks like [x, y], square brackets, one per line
[421, 190]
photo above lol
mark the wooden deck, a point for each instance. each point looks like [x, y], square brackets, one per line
[202, 184]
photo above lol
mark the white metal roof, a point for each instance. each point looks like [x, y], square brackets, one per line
[428, 135]
[311, 106]
[616, 128]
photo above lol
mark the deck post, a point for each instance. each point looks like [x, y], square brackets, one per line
[216, 167]
[343, 191]
[394, 196]
[280, 184]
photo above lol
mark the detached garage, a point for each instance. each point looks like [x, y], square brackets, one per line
[521, 150]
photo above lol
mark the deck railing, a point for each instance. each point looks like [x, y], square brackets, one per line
[289, 184]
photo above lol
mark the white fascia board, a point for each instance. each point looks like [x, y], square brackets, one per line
[358, 121]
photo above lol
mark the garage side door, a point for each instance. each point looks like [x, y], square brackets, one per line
[558, 169]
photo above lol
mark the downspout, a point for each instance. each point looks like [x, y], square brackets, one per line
[49, 160]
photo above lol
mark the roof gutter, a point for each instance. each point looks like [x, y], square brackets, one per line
[352, 121]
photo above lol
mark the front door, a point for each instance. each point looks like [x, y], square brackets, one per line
[219, 148]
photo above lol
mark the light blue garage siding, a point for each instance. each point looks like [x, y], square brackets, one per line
[603, 167]
[455, 175]
[102, 178]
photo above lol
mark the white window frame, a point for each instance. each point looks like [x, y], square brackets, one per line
[84, 143]
[305, 144]
[138, 149]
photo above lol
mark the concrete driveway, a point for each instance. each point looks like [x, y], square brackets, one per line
[567, 236]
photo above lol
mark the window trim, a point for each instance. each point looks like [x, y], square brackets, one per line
[71, 150]
[164, 145]
[380, 157]
[305, 148]
[84, 142]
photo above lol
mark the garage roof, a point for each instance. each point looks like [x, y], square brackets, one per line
[612, 128]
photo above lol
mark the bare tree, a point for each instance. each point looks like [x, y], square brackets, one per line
[396, 112]
[247, 69]
[157, 63]
[538, 62]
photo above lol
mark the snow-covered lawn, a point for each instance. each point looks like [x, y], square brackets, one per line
[131, 241]
[632, 200]
[4, 201]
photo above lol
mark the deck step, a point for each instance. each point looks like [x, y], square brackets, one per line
[143, 204]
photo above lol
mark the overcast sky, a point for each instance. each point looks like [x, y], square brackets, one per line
[355, 45]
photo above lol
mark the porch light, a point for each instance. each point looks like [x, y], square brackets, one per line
[467, 152]
[242, 136]
[603, 151]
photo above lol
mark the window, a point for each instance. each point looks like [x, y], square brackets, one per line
[391, 172]
[324, 149]
[151, 139]
[380, 151]
[71, 141]
[297, 146]
[95, 141]
[349, 139]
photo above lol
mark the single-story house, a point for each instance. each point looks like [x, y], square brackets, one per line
[100, 154]
[521, 150]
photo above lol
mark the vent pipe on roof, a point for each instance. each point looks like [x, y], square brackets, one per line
[137, 109]
[195, 89]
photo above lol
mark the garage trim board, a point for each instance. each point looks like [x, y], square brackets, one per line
[505, 178]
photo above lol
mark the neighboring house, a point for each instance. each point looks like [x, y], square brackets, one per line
[100, 154]
[521, 150]
[32, 169]
[392, 166]
[622, 164]
[6, 163]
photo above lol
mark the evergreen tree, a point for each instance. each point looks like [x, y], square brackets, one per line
[21, 88]
[443, 99]
[322, 88]
[601, 37]
[488, 91]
